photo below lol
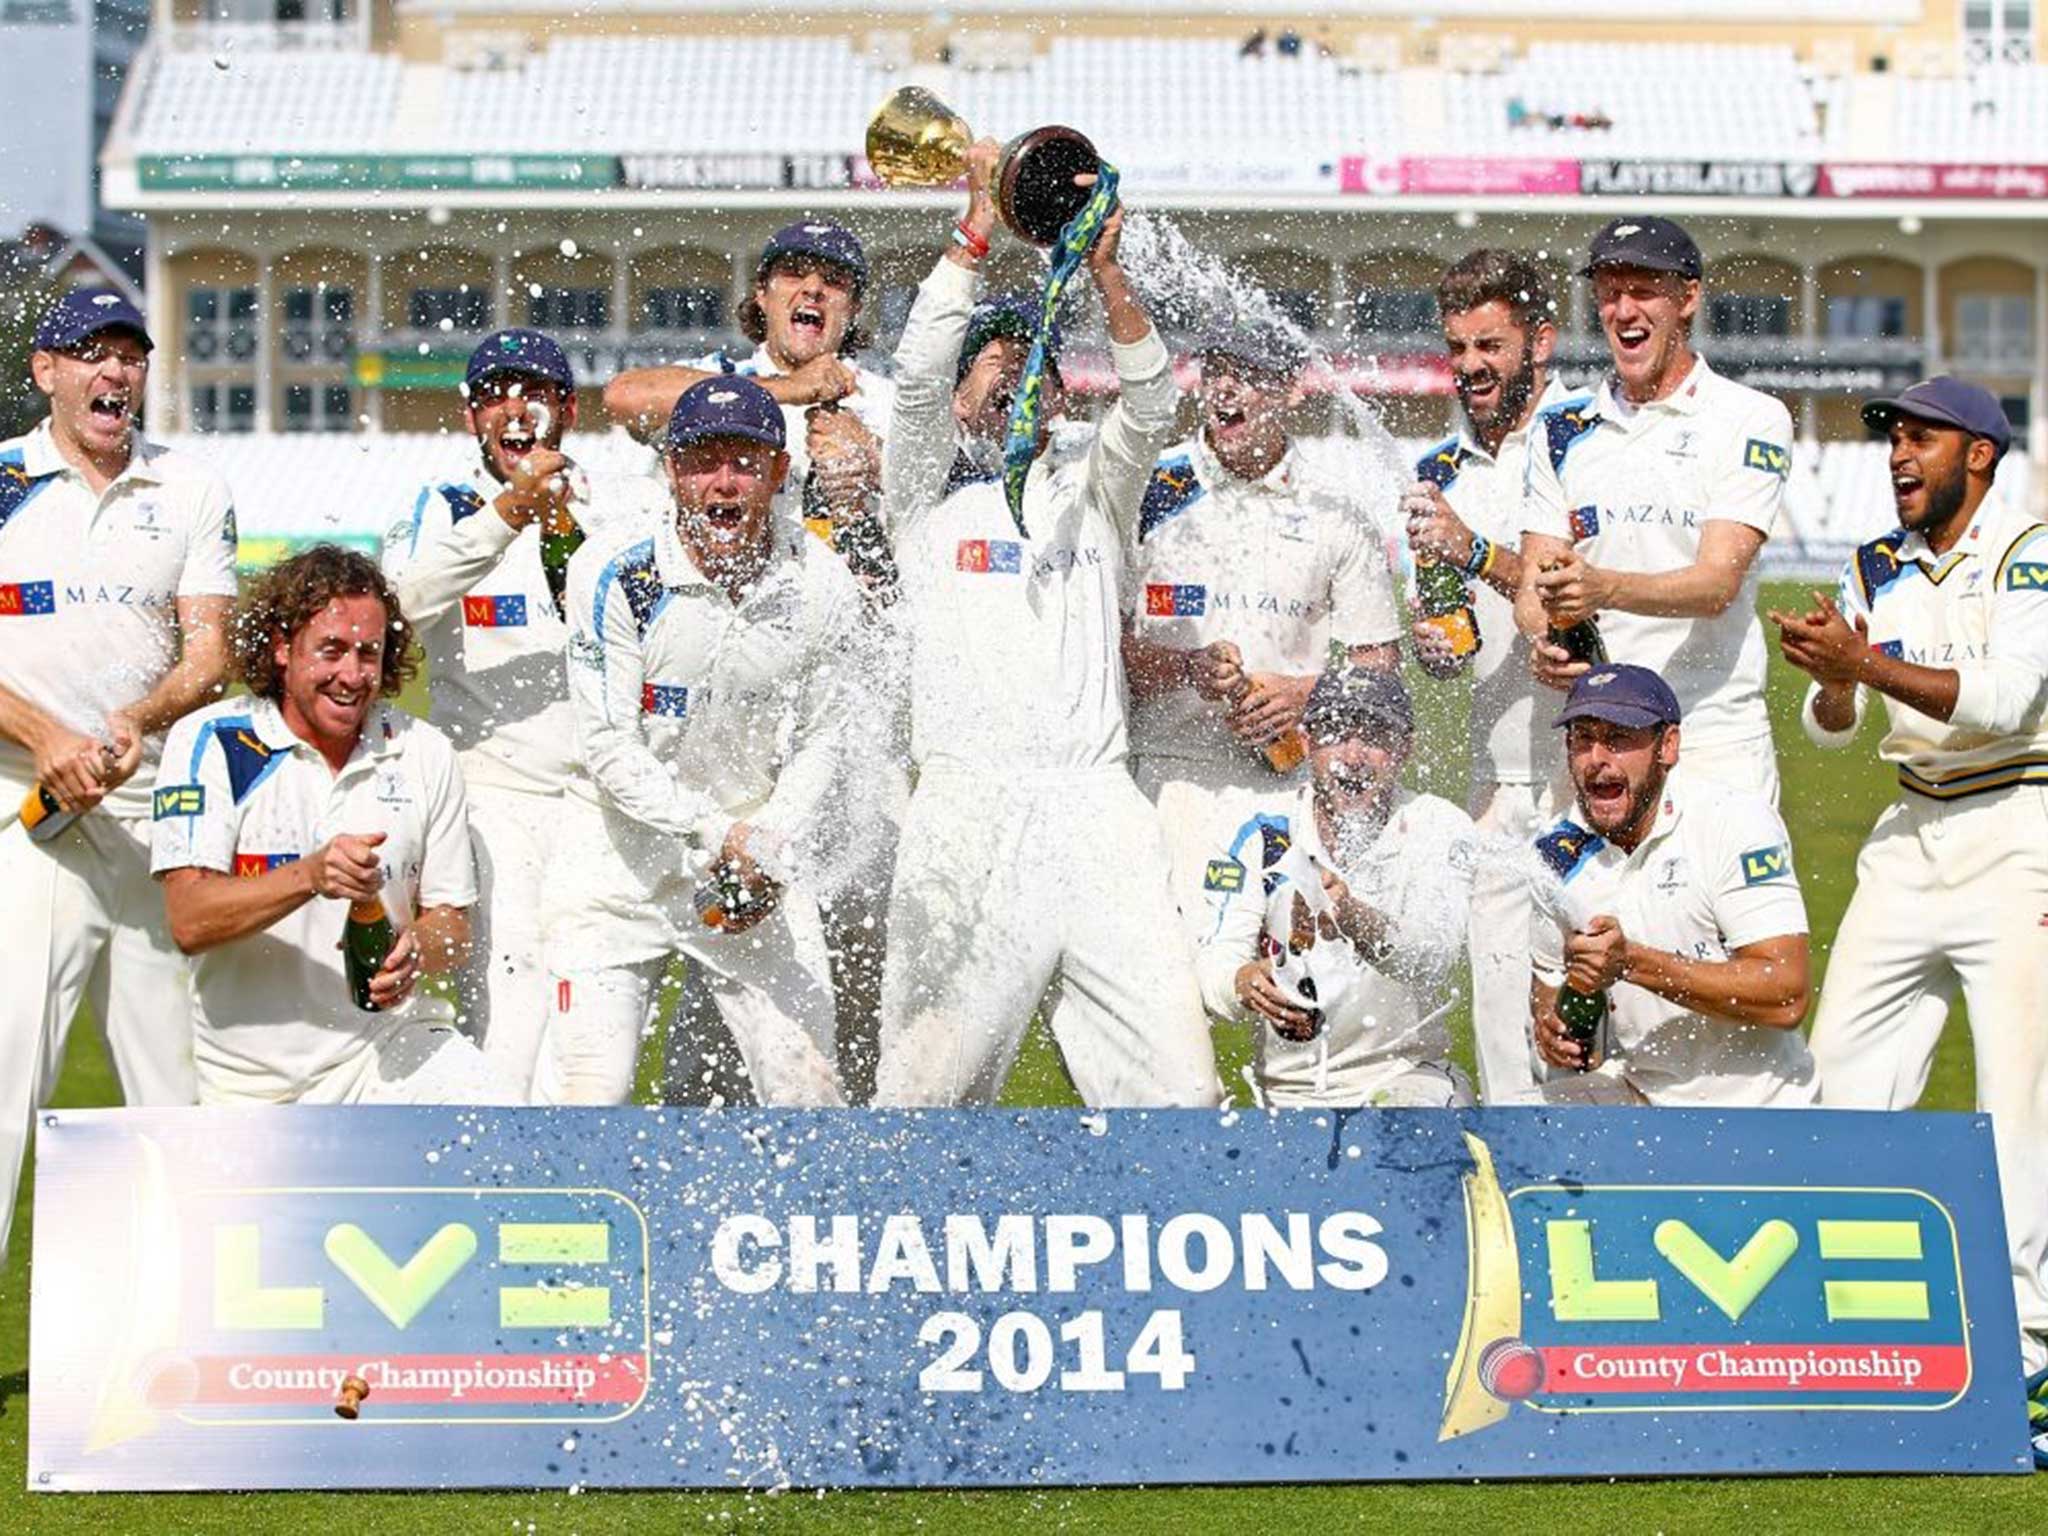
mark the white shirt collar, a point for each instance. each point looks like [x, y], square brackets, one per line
[41, 456]
[1553, 392]
[1683, 401]
[1279, 479]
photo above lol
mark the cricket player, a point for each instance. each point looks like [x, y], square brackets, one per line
[278, 814]
[1946, 618]
[1028, 852]
[1360, 889]
[467, 564]
[1647, 502]
[1250, 565]
[117, 581]
[708, 667]
[802, 317]
[1675, 896]
[1465, 508]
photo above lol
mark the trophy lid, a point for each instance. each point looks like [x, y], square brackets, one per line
[1035, 189]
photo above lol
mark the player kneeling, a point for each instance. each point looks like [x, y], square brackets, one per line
[281, 820]
[1669, 937]
[711, 669]
[1344, 915]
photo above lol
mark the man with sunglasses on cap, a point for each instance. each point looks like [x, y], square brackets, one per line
[1028, 854]
[1646, 504]
[1340, 945]
[1249, 565]
[1668, 906]
[801, 316]
[1946, 619]
[709, 667]
[480, 566]
[117, 583]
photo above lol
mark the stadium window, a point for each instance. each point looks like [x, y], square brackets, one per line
[1300, 306]
[2018, 417]
[1392, 312]
[220, 324]
[465, 309]
[1749, 314]
[223, 407]
[319, 325]
[569, 309]
[696, 308]
[1865, 317]
[318, 408]
[1995, 331]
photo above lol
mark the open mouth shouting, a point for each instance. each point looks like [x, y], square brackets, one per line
[1606, 795]
[1632, 341]
[807, 322]
[1909, 492]
[723, 521]
[1480, 392]
[111, 409]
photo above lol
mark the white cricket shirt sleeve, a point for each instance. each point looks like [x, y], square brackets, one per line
[1756, 893]
[1362, 588]
[1133, 431]
[1548, 920]
[1231, 942]
[606, 681]
[433, 560]
[1750, 486]
[917, 452]
[2003, 691]
[194, 821]
[447, 865]
[1849, 600]
[1543, 508]
[827, 698]
[209, 568]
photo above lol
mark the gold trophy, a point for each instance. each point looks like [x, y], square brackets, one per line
[916, 140]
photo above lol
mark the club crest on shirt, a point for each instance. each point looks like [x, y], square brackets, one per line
[1764, 864]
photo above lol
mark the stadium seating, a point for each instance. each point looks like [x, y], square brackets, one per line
[1996, 112]
[303, 103]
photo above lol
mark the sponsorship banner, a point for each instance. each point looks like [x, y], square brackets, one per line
[1697, 178]
[1989, 180]
[349, 173]
[425, 1298]
[1457, 176]
[807, 172]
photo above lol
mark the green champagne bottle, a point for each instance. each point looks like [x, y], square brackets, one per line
[1583, 1015]
[560, 537]
[366, 941]
[1446, 605]
[1582, 642]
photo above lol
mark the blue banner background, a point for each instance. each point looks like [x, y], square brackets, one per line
[823, 1388]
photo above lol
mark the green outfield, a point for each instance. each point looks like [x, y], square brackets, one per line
[1830, 801]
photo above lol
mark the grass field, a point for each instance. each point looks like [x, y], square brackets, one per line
[1830, 802]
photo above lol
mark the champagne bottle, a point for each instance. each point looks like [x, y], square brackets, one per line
[366, 942]
[42, 818]
[560, 537]
[1288, 753]
[1584, 1017]
[1580, 641]
[1446, 605]
[723, 898]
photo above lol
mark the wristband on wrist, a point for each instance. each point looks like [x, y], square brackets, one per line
[973, 244]
[1480, 561]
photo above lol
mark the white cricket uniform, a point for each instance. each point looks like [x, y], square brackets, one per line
[695, 713]
[1952, 883]
[1634, 486]
[1518, 785]
[1384, 1041]
[856, 911]
[473, 588]
[276, 1023]
[1028, 852]
[89, 584]
[1287, 568]
[1714, 876]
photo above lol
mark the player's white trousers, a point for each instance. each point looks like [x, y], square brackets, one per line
[83, 919]
[1004, 885]
[1509, 817]
[1953, 897]
[504, 989]
[771, 985]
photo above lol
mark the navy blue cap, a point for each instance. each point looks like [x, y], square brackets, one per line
[727, 406]
[84, 313]
[1653, 244]
[820, 240]
[1007, 315]
[1356, 701]
[1620, 694]
[1258, 344]
[530, 354]
[1948, 401]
